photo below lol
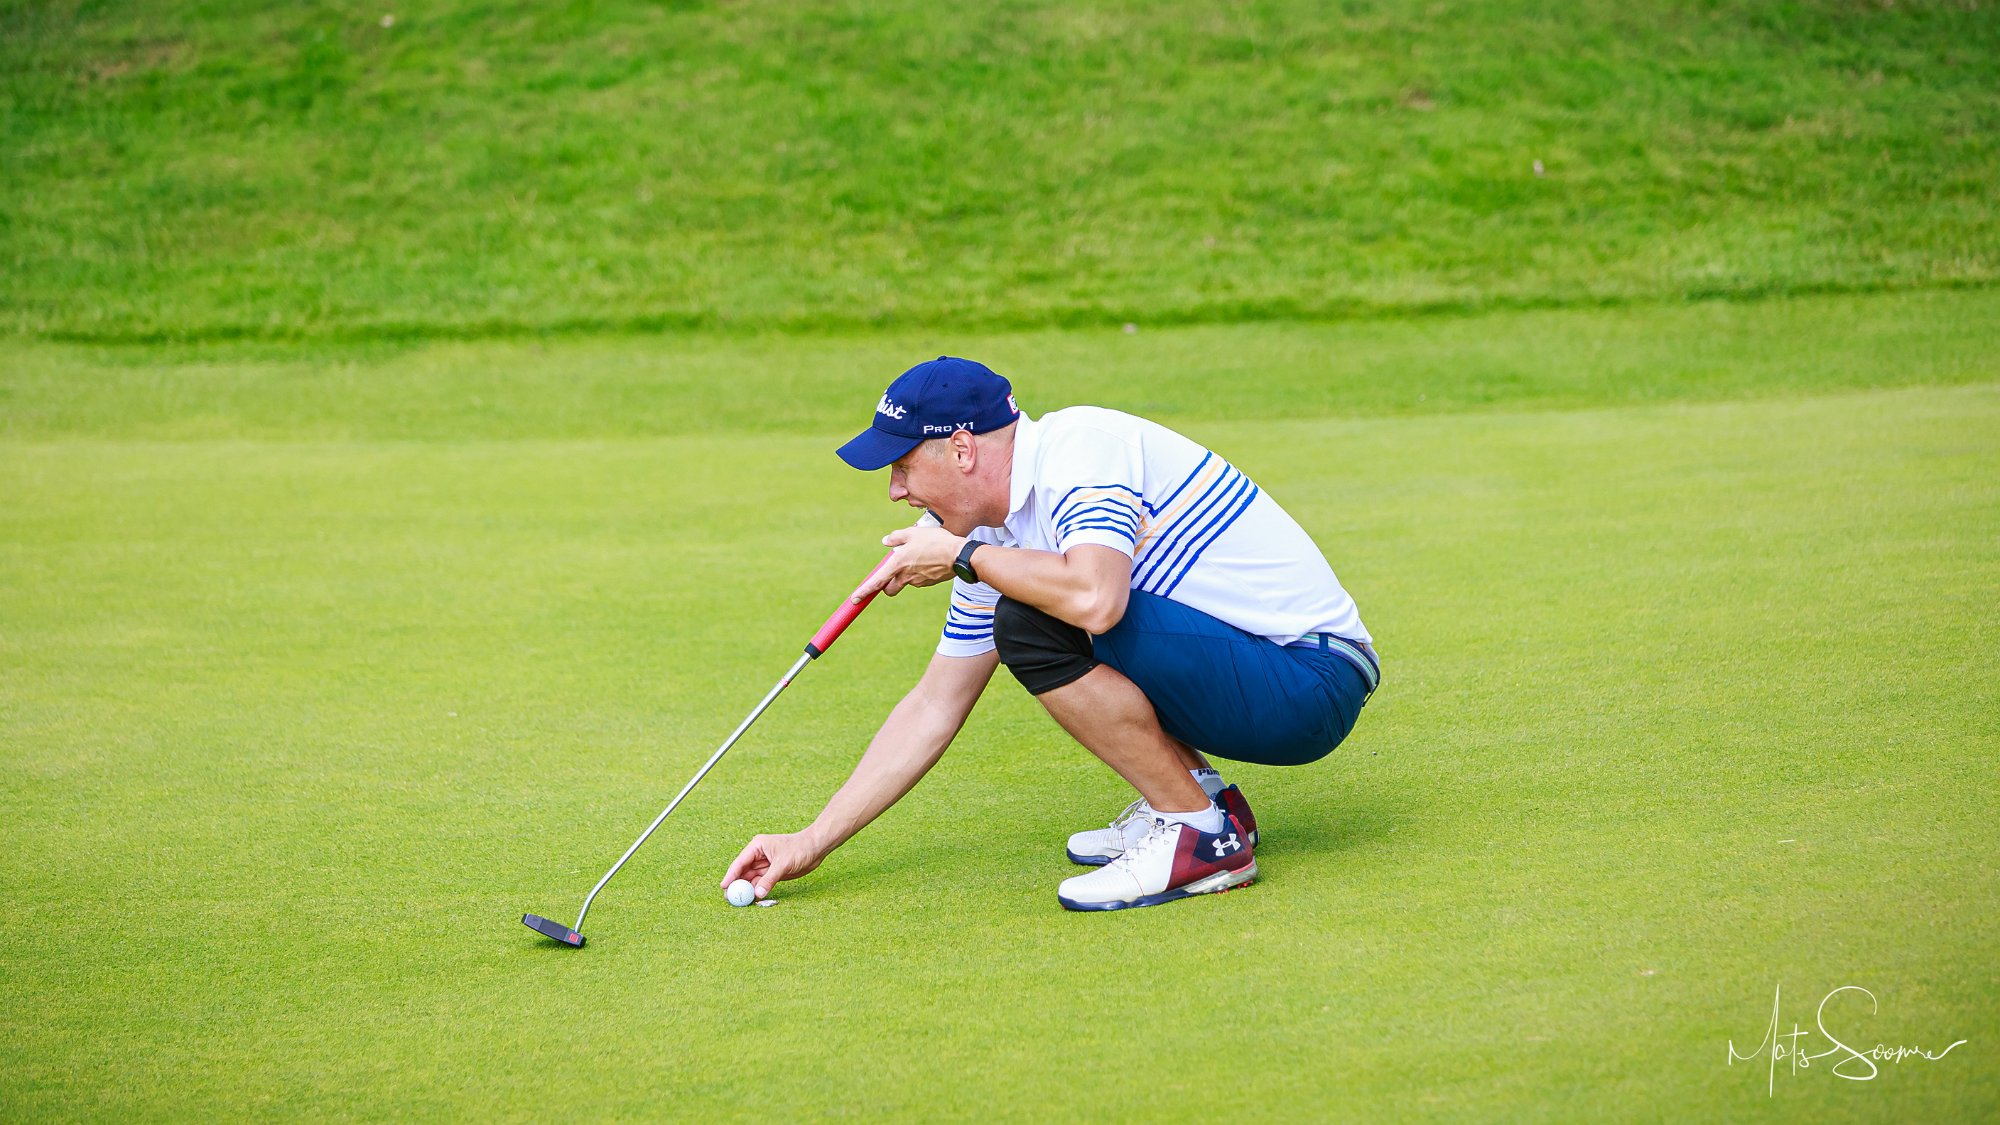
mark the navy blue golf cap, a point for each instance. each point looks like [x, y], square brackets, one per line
[932, 400]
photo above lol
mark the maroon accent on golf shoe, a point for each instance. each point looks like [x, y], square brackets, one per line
[1200, 854]
[1234, 803]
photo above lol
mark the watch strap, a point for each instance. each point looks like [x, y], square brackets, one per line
[962, 565]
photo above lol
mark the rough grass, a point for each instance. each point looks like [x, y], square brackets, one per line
[1684, 703]
[237, 169]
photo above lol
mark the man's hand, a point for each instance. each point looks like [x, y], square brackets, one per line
[767, 860]
[923, 557]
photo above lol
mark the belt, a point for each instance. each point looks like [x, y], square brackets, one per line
[1358, 653]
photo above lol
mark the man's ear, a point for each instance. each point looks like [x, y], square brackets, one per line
[964, 450]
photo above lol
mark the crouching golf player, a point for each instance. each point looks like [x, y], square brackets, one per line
[1162, 607]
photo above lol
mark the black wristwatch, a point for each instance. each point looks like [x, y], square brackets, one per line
[962, 565]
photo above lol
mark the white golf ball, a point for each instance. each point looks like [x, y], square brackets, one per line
[741, 893]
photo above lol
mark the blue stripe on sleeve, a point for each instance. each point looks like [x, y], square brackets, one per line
[1113, 505]
[1125, 531]
[1119, 511]
[968, 615]
[1128, 528]
[1064, 499]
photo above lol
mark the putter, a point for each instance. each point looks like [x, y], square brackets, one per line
[572, 936]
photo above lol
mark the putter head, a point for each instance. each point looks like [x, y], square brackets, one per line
[552, 929]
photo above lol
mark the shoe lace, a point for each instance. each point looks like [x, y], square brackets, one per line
[1137, 810]
[1162, 835]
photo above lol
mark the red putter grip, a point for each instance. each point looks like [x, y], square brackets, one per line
[845, 615]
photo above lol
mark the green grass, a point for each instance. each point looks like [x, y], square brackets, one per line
[625, 387]
[307, 693]
[229, 170]
[415, 455]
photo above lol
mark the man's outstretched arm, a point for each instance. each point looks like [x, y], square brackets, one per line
[910, 742]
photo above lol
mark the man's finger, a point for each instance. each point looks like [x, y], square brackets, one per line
[896, 538]
[751, 852]
[770, 878]
[872, 583]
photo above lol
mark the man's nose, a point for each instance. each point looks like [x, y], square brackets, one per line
[897, 491]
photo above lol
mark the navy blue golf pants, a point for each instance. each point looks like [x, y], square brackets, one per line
[1221, 690]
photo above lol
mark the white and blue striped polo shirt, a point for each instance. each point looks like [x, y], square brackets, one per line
[1198, 530]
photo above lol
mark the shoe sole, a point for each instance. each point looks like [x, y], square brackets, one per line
[1213, 885]
[1101, 860]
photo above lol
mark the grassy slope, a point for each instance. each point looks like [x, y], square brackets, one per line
[246, 168]
[294, 728]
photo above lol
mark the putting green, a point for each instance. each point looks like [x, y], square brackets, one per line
[1684, 702]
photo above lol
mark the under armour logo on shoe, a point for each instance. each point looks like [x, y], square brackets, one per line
[1224, 847]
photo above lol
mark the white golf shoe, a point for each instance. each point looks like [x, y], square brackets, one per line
[1171, 861]
[1100, 846]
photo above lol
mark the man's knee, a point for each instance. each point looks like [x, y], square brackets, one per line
[1043, 651]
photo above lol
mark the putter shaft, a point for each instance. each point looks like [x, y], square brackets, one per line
[835, 625]
[692, 782]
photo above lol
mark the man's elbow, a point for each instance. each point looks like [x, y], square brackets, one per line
[1101, 609]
